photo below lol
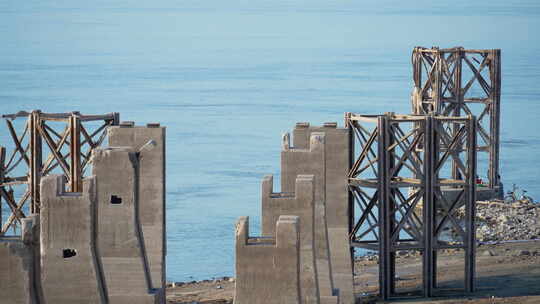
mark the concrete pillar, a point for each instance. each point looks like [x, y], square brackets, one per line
[70, 268]
[119, 235]
[294, 162]
[268, 269]
[15, 271]
[30, 235]
[301, 203]
[17, 267]
[151, 139]
[337, 160]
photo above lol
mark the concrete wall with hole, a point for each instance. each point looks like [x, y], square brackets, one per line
[105, 244]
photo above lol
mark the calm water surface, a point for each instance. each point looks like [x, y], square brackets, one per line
[228, 79]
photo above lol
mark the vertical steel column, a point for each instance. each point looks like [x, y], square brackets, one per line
[385, 279]
[416, 98]
[437, 81]
[470, 206]
[390, 163]
[459, 98]
[2, 175]
[495, 75]
[75, 178]
[428, 208]
[417, 68]
[34, 173]
[348, 125]
[435, 155]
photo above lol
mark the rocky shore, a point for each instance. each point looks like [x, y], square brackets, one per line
[503, 221]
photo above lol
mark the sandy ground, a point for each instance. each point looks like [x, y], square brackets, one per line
[209, 292]
[506, 273]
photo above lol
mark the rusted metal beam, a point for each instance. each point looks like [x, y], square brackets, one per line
[34, 172]
[16, 214]
[470, 209]
[495, 121]
[17, 142]
[2, 176]
[54, 150]
[350, 209]
[428, 214]
[75, 172]
[385, 265]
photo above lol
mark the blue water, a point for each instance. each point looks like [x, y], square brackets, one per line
[228, 77]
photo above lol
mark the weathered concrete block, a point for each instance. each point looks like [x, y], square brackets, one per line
[17, 266]
[311, 161]
[337, 161]
[119, 234]
[70, 269]
[268, 269]
[15, 271]
[301, 203]
[151, 190]
[30, 235]
[482, 194]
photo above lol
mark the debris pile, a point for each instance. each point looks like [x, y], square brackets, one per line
[503, 221]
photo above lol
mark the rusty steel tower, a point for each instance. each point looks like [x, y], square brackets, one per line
[394, 154]
[456, 82]
[43, 144]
